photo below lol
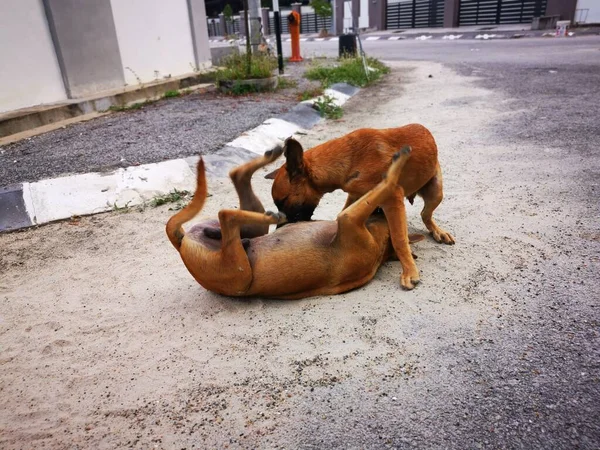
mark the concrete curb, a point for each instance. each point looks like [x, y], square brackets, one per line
[29, 204]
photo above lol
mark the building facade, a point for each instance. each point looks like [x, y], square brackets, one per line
[55, 50]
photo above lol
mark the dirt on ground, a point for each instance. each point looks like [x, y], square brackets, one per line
[107, 341]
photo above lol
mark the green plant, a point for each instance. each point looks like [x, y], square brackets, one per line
[172, 197]
[121, 209]
[348, 70]
[235, 67]
[133, 107]
[170, 94]
[286, 83]
[322, 8]
[327, 108]
[228, 12]
[310, 93]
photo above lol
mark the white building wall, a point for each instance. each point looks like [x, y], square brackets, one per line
[590, 16]
[29, 71]
[154, 38]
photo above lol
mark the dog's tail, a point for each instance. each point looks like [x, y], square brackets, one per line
[174, 225]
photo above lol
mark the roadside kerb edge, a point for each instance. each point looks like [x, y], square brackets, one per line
[36, 203]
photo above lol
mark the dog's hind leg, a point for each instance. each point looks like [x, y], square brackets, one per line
[241, 177]
[234, 258]
[432, 194]
[232, 221]
[390, 197]
[358, 211]
[395, 214]
[350, 200]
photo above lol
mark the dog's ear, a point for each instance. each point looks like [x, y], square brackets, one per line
[412, 238]
[294, 157]
[272, 175]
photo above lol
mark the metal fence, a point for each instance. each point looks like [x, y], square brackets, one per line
[415, 14]
[232, 26]
[285, 29]
[309, 23]
[213, 27]
[493, 12]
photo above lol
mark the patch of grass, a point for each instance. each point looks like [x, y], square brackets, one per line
[348, 70]
[135, 106]
[171, 94]
[328, 109]
[174, 196]
[310, 93]
[243, 89]
[261, 66]
[179, 198]
[286, 83]
[121, 209]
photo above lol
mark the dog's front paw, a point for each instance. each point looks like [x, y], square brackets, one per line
[272, 155]
[442, 237]
[409, 279]
[278, 217]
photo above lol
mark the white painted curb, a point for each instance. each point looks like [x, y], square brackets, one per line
[269, 134]
[90, 193]
[338, 98]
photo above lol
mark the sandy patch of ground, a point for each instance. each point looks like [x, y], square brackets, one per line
[107, 341]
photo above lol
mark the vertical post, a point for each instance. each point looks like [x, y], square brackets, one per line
[451, 9]
[414, 12]
[248, 48]
[339, 17]
[265, 21]
[355, 14]
[277, 22]
[222, 25]
[333, 28]
[243, 31]
[499, 8]
[294, 21]
[255, 28]
[298, 8]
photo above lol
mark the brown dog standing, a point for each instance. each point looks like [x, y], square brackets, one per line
[355, 163]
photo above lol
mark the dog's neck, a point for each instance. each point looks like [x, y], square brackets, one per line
[327, 172]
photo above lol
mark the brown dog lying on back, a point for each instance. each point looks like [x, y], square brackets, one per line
[355, 163]
[236, 256]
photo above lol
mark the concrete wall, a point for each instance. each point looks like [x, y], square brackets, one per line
[154, 37]
[86, 45]
[29, 71]
[199, 28]
[593, 13]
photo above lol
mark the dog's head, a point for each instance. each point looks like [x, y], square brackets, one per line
[293, 190]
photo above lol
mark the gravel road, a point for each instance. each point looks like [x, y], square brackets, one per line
[168, 129]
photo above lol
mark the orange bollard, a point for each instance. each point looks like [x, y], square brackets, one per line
[294, 21]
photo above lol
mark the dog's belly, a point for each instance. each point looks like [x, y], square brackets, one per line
[294, 237]
[196, 233]
[302, 257]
